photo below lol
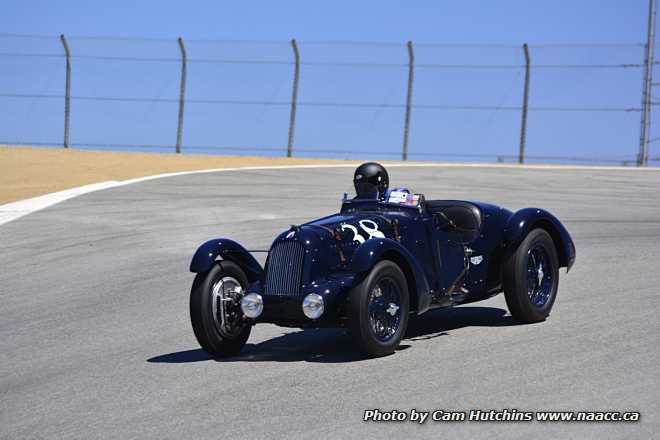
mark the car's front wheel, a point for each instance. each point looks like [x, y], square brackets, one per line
[378, 309]
[215, 309]
[531, 277]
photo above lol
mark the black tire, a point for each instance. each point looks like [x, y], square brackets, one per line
[205, 326]
[516, 278]
[360, 325]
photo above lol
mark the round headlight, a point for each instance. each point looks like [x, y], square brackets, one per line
[252, 305]
[312, 306]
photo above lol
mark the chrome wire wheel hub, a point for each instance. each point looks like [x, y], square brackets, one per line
[539, 276]
[226, 297]
[384, 309]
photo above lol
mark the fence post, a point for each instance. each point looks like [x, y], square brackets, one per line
[182, 94]
[642, 157]
[294, 97]
[523, 125]
[67, 95]
[411, 77]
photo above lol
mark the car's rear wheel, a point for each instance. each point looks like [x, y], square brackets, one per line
[378, 309]
[531, 277]
[215, 309]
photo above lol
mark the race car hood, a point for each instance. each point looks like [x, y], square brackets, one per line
[358, 227]
[330, 242]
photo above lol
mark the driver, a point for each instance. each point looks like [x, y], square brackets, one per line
[371, 181]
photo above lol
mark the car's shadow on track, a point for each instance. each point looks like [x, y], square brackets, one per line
[335, 345]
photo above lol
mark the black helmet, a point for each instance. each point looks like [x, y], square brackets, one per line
[370, 180]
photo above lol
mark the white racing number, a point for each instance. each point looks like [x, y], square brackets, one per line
[356, 235]
[371, 230]
[368, 226]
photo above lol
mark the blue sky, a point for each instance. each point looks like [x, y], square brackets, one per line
[362, 131]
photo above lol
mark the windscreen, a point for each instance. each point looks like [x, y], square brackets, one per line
[403, 196]
[398, 196]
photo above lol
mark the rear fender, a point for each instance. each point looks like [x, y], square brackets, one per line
[527, 219]
[377, 249]
[226, 249]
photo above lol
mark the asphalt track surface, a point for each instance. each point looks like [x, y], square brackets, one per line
[96, 340]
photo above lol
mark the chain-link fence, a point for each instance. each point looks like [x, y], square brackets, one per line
[571, 103]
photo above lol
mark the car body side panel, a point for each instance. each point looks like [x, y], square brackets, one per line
[487, 253]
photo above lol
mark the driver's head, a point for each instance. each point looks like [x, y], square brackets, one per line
[371, 181]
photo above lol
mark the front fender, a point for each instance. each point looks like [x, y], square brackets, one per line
[226, 249]
[527, 219]
[376, 249]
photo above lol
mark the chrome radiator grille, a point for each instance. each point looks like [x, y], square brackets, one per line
[284, 273]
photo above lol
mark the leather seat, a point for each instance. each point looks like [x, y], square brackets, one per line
[465, 216]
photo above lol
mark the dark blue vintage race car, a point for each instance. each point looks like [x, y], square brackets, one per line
[387, 256]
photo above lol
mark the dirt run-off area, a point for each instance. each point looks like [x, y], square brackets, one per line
[28, 172]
